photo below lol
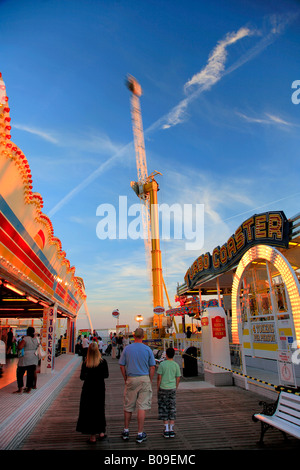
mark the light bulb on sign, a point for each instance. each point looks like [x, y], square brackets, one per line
[139, 319]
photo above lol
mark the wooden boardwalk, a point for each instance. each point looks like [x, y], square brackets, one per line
[208, 418]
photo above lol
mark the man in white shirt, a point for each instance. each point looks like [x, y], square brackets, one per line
[100, 345]
[85, 346]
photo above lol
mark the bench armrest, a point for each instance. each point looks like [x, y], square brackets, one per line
[268, 409]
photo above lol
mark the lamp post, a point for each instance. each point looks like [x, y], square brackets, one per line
[139, 319]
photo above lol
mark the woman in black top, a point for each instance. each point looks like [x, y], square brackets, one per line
[91, 418]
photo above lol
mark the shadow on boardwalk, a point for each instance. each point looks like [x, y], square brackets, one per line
[208, 418]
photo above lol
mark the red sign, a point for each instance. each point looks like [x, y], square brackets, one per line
[218, 327]
[204, 321]
[116, 313]
[158, 310]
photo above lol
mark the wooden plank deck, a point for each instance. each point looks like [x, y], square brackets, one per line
[208, 418]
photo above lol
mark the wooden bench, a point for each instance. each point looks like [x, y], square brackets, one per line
[284, 415]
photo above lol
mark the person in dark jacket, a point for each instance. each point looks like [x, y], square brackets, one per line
[91, 418]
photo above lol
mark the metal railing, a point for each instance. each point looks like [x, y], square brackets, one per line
[181, 344]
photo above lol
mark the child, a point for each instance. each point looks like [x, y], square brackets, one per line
[168, 377]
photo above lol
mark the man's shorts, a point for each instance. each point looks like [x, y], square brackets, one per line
[138, 393]
[166, 404]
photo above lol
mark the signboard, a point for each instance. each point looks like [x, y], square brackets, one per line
[264, 332]
[286, 368]
[215, 346]
[83, 331]
[218, 327]
[48, 339]
[204, 321]
[64, 344]
[116, 313]
[22, 332]
[269, 228]
[154, 343]
[159, 310]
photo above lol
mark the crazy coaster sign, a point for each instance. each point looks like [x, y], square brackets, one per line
[268, 228]
[116, 313]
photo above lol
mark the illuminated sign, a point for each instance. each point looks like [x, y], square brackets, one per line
[50, 337]
[289, 278]
[268, 228]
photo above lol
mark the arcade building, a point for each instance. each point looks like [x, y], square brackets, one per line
[255, 277]
[38, 286]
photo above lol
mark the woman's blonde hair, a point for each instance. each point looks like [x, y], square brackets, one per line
[93, 357]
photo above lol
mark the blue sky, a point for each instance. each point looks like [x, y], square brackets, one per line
[219, 123]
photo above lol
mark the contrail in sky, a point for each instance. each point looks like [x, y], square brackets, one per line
[101, 169]
[213, 72]
[260, 207]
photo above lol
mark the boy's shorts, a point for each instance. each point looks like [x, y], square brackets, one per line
[166, 404]
[138, 393]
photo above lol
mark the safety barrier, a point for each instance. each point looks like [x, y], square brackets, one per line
[278, 388]
[182, 344]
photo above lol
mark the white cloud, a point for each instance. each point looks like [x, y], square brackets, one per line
[267, 119]
[40, 133]
[212, 72]
[215, 70]
[207, 77]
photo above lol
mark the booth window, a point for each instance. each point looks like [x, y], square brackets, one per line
[280, 295]
[256, 299]
[263, 293]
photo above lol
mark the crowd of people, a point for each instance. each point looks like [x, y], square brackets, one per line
[114, 346]
[12, 342]
[137, 366]
[83, 342]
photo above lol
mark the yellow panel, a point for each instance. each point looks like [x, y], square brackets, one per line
[286, 331]
[265, 346]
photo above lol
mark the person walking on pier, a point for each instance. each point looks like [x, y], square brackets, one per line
[10, 337]
[137, 365]
[114, 345]
[27, 361]
[91, 418]
[85, 346]
[168, 378]
[120, 346]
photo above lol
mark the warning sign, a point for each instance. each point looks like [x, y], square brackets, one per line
[218, 327]
[285, 368]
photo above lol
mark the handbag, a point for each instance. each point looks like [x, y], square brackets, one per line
[40, 352]
[21, 352]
